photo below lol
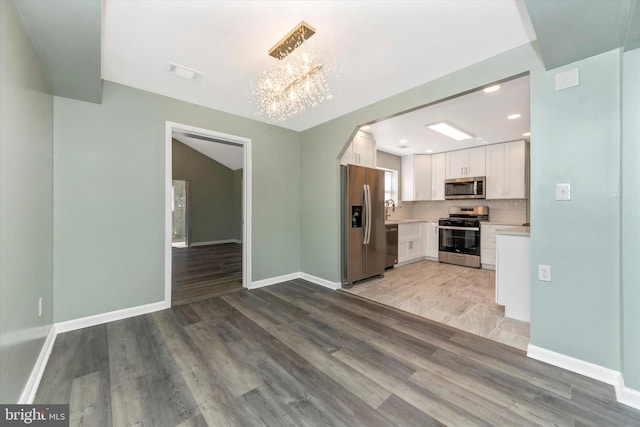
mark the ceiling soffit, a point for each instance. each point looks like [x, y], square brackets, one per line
[571, 30]
[67, 36]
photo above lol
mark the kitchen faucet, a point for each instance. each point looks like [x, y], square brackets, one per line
[389, 204]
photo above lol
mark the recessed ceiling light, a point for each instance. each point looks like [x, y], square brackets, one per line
[514, 116]
[450, 131]
[184, 72]
[367, 127]
[429, 151]
[492, 88]
[526, 134]
[403, 141]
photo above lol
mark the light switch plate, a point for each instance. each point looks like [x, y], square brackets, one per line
[563, 192]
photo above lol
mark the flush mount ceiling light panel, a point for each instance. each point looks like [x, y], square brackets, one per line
[450, 131]
[184, 72]
[296, 83]
[493, 88]
[514, 116]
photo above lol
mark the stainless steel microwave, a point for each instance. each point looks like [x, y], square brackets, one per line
[465, 188]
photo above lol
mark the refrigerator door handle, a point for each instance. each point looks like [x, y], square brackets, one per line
[367, 192]
[364, 214]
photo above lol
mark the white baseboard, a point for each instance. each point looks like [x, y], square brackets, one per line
[30, 389]
[292, 276]
[98, 319]
[216, 242]
[320, 281]
[273, 280]
[628, 396]
[625, 395]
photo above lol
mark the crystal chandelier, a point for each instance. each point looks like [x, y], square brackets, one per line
[296, 83]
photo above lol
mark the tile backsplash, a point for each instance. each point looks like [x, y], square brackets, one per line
[500, 211]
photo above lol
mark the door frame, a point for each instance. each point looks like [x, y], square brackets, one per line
[219, 137]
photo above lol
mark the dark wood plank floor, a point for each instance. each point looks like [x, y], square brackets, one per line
[200, 272]
[295, 354]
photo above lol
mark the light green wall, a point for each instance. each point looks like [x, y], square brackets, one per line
[213, 209]
[26, 205]
[576, 139]
[109, 242]
[630, 225]
[322, 144]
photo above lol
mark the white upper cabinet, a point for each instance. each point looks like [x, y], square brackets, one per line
[507, 166]
[416, 177]
[465, 163]
[361, 151]
[438, 172]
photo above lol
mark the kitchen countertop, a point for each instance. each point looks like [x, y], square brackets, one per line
[408, 221]
[515, 231]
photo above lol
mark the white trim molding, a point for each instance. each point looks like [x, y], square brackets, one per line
[320, 281]
[30, 389]
[273, 280]
[246, 238]
[111, 316]
[625, 395]
[216, 242]
[292, 276]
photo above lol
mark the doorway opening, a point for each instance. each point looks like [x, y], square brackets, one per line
[495, 120]
[207, 213]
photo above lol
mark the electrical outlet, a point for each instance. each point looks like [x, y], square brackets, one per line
[544, 273]
[40, 307]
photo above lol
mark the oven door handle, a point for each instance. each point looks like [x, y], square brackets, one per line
[448, 227]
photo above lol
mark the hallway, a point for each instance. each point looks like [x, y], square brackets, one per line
[201, 272]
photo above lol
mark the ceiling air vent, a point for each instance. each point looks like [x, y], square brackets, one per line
[184, 72]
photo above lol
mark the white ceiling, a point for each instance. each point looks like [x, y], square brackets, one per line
[230, 155]
[375, 48]
[481, 114]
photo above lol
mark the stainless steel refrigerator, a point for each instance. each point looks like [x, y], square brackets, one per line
[363, 231]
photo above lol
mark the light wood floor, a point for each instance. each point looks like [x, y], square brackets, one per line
[295, 354]
[200, 272]
[457, 296]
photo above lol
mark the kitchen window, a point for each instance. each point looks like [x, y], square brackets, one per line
[390, 184]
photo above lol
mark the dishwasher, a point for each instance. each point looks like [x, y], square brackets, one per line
[392, 246]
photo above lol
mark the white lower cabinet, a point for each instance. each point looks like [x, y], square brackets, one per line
[410, 242]
[513, 281]
[432, 239]
[488, 244]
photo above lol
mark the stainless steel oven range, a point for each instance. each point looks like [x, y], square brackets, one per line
[460, 235]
